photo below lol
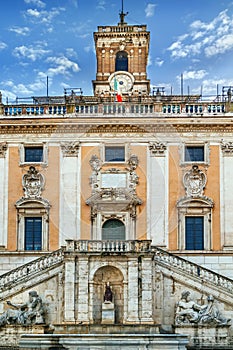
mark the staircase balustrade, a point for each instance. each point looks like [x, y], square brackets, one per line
[191, 269]
[27, 270]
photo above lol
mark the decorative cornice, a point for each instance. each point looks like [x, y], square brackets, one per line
[139, 126]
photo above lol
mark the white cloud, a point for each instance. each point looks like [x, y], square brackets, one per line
[37, 3]
[3, 45]
[199, 74]
[42, 16]
[150, 10]
[101, 4]
[220, 46]
[212, 38]
[20, 30]
[30, 52]
[159, 62]
[62, 65]
[70, 52]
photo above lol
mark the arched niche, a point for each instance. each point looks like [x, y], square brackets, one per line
[115, 278]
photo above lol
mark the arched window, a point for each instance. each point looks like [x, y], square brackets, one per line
[113, 230]
[121, 61]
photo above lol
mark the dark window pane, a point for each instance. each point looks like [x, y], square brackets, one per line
[194, 154]
[33, 233]
[122, 61]
[114, 154]
[194, 233]
[33, 154]
[113, 230]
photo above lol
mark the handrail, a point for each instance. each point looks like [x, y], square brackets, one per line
[102, 246]
[31, 268]
[192, 269]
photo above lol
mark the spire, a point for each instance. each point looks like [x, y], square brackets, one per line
[122, 14]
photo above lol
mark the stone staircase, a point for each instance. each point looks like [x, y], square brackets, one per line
[30, 274]
[194, 276]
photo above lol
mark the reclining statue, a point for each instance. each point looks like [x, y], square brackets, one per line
[189, 312]
[29, 313]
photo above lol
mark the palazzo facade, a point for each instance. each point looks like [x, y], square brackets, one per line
[136, 192]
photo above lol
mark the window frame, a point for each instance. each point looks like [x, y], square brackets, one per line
[206, 152]
[32, 208]
[23, 147]
[195, 207]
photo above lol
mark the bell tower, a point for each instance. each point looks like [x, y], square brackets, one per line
[122, 54]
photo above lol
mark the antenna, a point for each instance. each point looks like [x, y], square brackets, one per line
[122, 14]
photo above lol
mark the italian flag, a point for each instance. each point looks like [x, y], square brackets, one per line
[116, 88]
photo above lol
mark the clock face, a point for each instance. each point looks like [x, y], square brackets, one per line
[123, 81]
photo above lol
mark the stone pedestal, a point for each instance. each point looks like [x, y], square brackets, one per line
[200, 335]
[108, 313]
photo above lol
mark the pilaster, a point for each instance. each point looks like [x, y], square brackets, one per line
[83, 300]
[69, 285]
[146, 276]
[132, 301]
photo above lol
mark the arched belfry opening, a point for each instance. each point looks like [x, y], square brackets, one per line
[121, 61]
[113, 229]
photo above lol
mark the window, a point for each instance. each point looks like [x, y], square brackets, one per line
[194, 154]
[114, 153]
[33, 154]
[33, 233]
[121, 61]
[113, 230]
[33, 224]
[194, 233]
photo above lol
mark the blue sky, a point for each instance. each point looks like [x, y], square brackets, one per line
[54, 38]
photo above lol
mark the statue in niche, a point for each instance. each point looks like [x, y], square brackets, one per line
[28, 313]
[33, 183]
[189, 312]
[108, 294]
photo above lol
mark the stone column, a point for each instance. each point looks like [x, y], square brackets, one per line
[83, 295]
[69, 285]
[69, 192]
[146, 275]
[132, 301]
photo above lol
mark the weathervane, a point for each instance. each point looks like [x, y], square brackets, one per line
[122, 14]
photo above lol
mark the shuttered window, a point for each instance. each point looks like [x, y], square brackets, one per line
[194, 233]
[33, 233]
